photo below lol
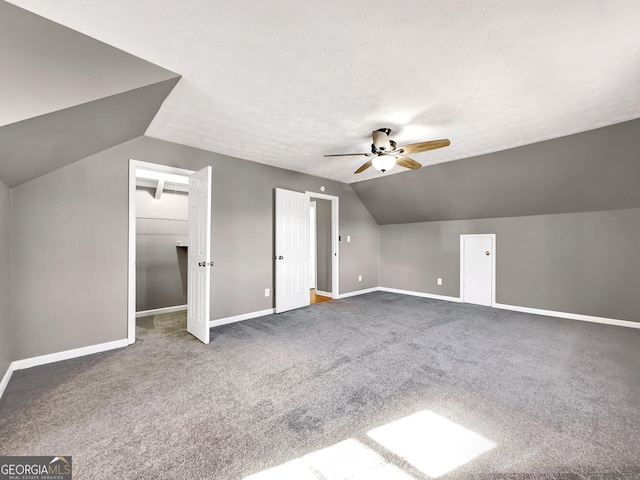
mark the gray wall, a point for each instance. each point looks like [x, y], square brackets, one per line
[6, 354]
[584, 263]
[69, 262]
[70, 235]
[161, 266]
[323, 230]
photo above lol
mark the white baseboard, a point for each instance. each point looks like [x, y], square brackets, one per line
[420, 294]
[57, 357]
[358, 292]
[535, 311]
[570, 316]
[159, 311]
[6, 378]
[239, 318]
[324, 294]
[68, 354]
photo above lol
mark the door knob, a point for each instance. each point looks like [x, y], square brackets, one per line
[280, 257]
[487, 252]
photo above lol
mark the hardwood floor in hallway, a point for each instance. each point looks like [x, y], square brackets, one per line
[315, 298]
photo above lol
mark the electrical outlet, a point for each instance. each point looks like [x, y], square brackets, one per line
[267, 292]
[359, 278]
[439, 281]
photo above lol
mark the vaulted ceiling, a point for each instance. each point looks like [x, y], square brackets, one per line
[65, 96]
[285, 82]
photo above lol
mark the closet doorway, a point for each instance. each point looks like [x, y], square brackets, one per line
[158, 241]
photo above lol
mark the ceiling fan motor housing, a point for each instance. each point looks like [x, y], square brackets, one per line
[382, 150]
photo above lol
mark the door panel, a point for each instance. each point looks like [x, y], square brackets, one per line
[292, 250]
[198, 264]
[477, 270]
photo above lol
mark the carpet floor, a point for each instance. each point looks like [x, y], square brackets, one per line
[380, 386]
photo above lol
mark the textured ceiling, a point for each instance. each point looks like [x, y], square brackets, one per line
[284, 82]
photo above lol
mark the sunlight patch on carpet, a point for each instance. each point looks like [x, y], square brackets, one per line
[348, 459]
[430, 442]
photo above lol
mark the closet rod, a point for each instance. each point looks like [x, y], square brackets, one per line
[158, 218]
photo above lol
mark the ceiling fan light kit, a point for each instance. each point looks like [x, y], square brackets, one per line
[384, 163]
[386, 154]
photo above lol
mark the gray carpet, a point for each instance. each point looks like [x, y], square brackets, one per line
[304, 389]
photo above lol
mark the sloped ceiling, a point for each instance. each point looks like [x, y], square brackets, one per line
[594, 170]
[39, 145]
[284, 82]
[65, 96]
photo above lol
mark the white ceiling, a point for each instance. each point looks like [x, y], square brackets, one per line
[285, 81]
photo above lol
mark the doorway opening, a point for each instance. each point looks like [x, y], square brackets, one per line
[158, 239]
[321, 267]
[327, 267]
[292, 252]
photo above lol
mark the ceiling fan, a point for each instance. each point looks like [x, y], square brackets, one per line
[385, 154]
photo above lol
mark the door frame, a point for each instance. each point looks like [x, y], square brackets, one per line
[492, 236]
[131, 262]
[313, 240]
[335, 239]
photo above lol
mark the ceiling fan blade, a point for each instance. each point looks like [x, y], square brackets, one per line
[407, 162]
[364, 167]
[381, 139]
[424, 146]
[345, 154]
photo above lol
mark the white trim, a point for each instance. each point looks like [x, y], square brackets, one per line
[313, 244]
[324, 294]
[131, 262]
[493, 263]
[335, 243]
[239, 318]
[57, 357]
[358, 292]
[421, 294]
[570, 316]
[6, 378]
[160, 311]
[68, 354]
[534, 311]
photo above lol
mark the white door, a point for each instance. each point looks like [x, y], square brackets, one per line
[292, 250]
[199, 263]
[477, 269]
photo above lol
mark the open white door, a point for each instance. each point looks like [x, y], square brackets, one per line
[292, 250]
[199, 264]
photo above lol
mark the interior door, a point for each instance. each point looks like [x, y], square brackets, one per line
[477, 270]
[199, 262]
[292, 250]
